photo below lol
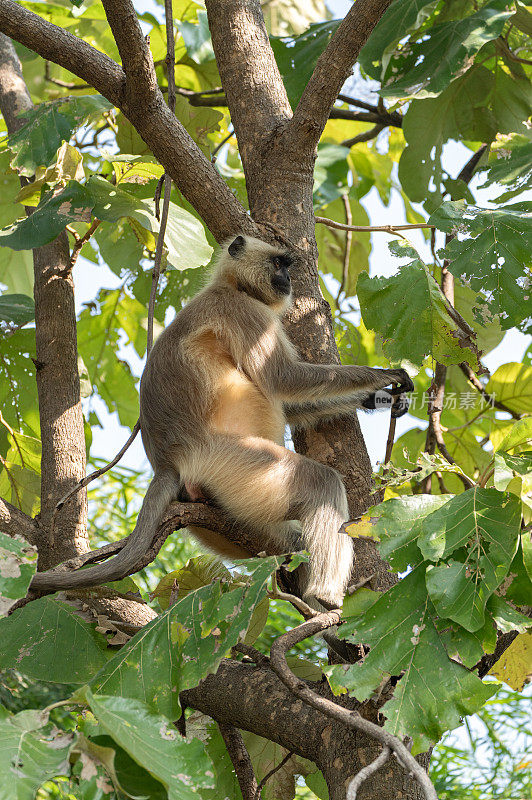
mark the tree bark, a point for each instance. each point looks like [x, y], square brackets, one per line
[61, 418]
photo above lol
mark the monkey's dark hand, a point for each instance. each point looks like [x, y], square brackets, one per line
[385, 399]
[403, 383]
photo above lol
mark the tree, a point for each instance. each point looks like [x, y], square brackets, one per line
[252, 110]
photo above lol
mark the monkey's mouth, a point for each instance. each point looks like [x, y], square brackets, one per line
[281, 284]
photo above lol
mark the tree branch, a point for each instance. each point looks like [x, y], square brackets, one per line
[241, 761]
[16, 523]
[332, 70]
[350, 718]
[195, 176]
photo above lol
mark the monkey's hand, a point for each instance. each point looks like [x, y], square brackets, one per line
[402, 383]
[384, 399]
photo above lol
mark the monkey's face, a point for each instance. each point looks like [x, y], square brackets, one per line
[260, 270]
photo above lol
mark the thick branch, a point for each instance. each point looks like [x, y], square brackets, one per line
[249, 73]
[332, 70]
[137, 61]
[195, 176]
[350, 718]
[241, 761]
[16, 523]
[58, 45]
[61, 419]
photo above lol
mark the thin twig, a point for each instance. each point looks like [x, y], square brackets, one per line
[240, 760]
[348, 717]
[393, 229]
[219, 146]
[81, 240]
[366, 136]
[70, 85]
[348, 241]
[366, 772]
[272, 772]
[472, 378]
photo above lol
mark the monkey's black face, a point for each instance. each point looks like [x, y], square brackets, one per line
[281, 277]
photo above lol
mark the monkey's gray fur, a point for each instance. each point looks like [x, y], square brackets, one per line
[219, 386]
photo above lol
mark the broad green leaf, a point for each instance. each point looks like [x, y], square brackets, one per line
[198, 571]
[48, 125]
[397, 20]
[197, 38]
[17, 309]
[68, 166]
[426, 67]
[520, 574]
[185, 235]
[119, 246]
[512, 385]
[506, 617]
[29, 755]
[399, 524]
[52, 638]
[296, 57]
[18, 562]
[151, 740]
[98, 343]
[330, 174]
[468, 646]
[18, 389]
[513, 169]
[494, 260]
[513, 473]
[199, 122]
[16, 270]
[20, 484]
[383, 308]
[483, 525]
[399, 628]
[179, 648]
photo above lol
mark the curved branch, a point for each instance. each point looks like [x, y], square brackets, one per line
[178, 515]
[332, 70]
[16, 523]
[171, 144]
[350, 718]
[58, 45]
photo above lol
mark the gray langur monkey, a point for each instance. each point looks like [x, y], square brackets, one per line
[219, 386]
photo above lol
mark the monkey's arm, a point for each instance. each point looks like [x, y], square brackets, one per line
[306, 415]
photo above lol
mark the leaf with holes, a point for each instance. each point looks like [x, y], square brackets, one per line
[440, 332]
[18, 562]
[480, 528]
[491, 253]
[48, 125]
[433, 693]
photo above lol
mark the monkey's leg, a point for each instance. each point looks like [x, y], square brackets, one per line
[263, 484]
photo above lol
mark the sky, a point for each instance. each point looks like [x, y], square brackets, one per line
[109, 439]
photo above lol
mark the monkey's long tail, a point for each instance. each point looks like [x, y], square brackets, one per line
[161, 491]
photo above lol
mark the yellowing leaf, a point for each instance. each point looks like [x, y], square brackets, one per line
[515, 665]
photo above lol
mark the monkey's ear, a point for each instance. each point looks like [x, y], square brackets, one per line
[236, 246]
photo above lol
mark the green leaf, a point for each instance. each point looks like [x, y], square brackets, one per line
[18, 389]
[48, 125]
[29, 756]
[512, 385]
[397, 20]
[186, 643]
[98, 342]
[330, 174]
[16, 270]
[444, 53]
[468, 646]
[151, 740]
[506, 617]
[399, 525]
[17, 309]
[512, 169]
[51, 638]
[296, 57]
[197, 38]
[198, 571]
[494, 259]
[18, 562]
[484, 523]
[199, 122]
[399, 628]
[383, 308]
